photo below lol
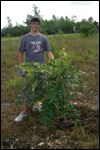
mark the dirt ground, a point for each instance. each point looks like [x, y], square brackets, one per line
[30, 134]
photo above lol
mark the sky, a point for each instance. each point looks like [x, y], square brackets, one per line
[18, 10]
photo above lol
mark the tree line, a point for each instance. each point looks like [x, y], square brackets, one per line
[62, 25]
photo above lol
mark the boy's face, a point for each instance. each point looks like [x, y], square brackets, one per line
[35, 26]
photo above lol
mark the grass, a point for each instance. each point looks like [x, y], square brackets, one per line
[85, 54]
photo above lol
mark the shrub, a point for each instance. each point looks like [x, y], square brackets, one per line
[88, 29]
[60, 80]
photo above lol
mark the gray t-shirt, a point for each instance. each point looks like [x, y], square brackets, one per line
[34, 47]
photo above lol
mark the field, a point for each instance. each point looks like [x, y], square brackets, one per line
[30, 133]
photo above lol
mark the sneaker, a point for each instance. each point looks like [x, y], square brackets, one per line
[37, 106]
[21, 117]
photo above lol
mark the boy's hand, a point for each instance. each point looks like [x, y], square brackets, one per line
[21, 72]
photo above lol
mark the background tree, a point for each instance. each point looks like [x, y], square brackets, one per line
[9, 22]
[90, 19]
[36, 10]
[88, 29]
[28, 17]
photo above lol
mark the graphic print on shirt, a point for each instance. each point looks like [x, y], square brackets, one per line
[36, 46]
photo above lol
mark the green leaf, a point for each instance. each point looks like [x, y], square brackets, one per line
[78, 122]
[34, 85]
[18, 102]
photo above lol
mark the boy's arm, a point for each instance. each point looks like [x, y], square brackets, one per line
[20, 58]
[20, 71]
[50, 55]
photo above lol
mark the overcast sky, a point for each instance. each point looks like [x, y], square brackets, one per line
[18, 10]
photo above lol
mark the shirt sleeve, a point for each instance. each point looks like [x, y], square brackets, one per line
[46, 45]
[22, 45]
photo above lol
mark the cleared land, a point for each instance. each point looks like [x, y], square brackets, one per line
[31, 134]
